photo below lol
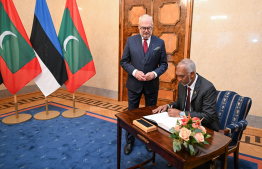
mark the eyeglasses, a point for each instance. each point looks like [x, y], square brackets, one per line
[146, 28]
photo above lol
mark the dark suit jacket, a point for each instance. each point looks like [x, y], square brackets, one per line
[134, 57]
[203, 102]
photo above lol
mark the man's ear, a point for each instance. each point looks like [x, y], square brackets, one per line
[192, 74]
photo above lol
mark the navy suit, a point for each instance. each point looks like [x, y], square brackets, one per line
[134, 57]
[154, 59]
[203, 102]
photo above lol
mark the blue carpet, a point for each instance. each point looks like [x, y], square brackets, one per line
[78, 143]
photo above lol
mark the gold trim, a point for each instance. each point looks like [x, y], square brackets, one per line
[143, 138]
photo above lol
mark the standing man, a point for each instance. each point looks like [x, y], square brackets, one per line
[144, 59]
[196, 96]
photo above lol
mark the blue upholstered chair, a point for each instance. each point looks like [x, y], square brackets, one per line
[232, 111]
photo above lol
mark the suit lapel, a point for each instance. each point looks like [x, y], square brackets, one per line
[151, 47]
[139, 45]
[196, 89]
[183, 100]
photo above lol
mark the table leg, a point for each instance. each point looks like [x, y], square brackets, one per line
[119, 135]
[153, 158]
[224, 159]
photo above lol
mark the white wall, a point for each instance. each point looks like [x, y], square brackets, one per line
[227, 46]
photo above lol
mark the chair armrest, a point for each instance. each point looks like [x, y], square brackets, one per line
[225, 131]
[239, 126]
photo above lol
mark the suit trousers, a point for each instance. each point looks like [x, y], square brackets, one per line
[133, 102]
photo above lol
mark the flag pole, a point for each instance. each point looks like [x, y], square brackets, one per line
[46, 115]
[16, 107]
[73, 113]
[74, 103]
[17, 118]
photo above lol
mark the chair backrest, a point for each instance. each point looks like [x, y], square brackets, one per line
[232, 108]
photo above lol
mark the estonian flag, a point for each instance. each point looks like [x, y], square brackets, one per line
[45, 42]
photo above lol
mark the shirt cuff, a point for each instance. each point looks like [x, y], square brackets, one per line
[155, 74]
[134, 72]
[182, 113]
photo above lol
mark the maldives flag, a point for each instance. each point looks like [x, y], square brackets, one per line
[79, 62]
[18, 62]
[46, 44]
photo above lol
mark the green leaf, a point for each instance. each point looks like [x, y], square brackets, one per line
[207, 136]
[189, 123]
[191, 152]
[172, 130]
[185, 144]
[192, 133]
[193, 140]
[172, 136]
[199, 145]
[174, 147]
[206, 142]
[179, 145]
[198, 130]
[191, 147]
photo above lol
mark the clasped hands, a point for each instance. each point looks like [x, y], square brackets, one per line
[144, 77]
[171, 112]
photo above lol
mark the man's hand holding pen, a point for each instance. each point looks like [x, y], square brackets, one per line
[173, 112]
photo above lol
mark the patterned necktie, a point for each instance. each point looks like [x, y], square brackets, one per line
[145, 45]
[188, 99]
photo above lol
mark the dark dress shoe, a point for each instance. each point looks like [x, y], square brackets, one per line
[169, 165]
[128, 149]
[148, 149]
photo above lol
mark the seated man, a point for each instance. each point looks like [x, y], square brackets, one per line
[196, 96]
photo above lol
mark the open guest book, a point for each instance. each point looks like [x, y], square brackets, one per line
[163, 120]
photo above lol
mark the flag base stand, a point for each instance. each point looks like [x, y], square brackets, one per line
[44, 116]
[72, 114]
[17, 118]
[14, 119]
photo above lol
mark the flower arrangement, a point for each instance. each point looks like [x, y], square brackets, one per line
[188, 132]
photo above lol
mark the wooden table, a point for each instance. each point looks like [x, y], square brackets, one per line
[160, 142]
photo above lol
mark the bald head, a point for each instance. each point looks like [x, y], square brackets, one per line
[186, 72]
[145, 17]
[189, 65]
